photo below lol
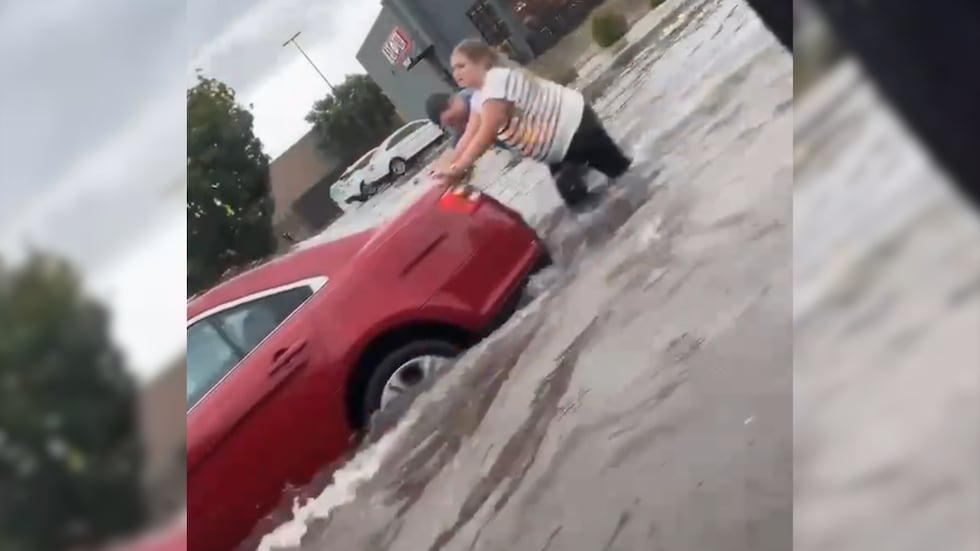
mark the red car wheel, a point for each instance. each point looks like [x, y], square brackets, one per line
[406, 371]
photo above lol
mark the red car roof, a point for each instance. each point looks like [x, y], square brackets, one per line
[327, 258]
[323, 259]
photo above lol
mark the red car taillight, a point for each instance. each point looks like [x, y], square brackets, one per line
[461, 198]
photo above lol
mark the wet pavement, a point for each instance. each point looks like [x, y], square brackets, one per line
[642, 400]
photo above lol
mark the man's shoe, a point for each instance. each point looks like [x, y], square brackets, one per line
[571, 184]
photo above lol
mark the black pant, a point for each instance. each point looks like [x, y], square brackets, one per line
[591, 147]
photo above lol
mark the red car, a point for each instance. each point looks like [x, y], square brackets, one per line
[287, 361]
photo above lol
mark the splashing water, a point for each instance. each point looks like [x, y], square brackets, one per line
[346, 481]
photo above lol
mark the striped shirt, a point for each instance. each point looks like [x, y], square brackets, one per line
[545, 117]
[471, 99]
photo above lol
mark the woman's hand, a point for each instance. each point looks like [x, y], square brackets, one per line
[443, 165]
[451, 175]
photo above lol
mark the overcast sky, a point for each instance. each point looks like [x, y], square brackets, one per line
[92, 131]
[280, 84]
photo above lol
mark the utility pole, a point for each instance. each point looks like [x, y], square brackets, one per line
[292, 40]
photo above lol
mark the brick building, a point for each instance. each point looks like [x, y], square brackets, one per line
[300, 182]
[163, 427]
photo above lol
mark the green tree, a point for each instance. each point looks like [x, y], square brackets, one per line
[354, 119]
[229, 206]
[70, 454]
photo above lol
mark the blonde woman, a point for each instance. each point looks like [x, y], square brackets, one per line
[535, 117]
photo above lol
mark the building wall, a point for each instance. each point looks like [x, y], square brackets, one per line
[295, 226]
[446, 22]
[296, 170]
[441, 24]
[407, 89]
[315, 206]
[449, 18]
[302, 167]
[163, 427]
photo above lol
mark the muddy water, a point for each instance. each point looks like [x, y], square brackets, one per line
[643, 399]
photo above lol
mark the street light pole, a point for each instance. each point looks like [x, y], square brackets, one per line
[292, 40]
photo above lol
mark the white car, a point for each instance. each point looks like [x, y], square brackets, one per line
[395, 155]
[351, 182]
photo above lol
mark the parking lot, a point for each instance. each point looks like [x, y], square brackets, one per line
[643, 399]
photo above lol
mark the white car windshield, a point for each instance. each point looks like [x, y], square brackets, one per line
[361, 163]
[403, 133]
[364, 161]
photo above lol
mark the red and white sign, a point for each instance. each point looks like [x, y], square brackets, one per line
[397, 46]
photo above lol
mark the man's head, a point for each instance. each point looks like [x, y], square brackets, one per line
[446, 111]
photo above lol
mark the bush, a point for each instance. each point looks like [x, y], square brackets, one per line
[654, 4]
[608, 28]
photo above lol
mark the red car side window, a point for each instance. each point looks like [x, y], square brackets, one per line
[217, 343]
[249, 324]
[209, 357]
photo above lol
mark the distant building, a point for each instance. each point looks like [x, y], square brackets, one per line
[163, 428]
[300, 182]
[407, 49]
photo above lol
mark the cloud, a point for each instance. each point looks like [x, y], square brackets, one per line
[100, 206]
[251, 47]
[73, 74]
[20, 21]
[92, 141]
[147, 292]
[209, 20]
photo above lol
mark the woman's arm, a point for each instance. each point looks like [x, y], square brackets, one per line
[472, 128]
[494, 114]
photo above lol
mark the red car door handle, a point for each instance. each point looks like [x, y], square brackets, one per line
[288, 359]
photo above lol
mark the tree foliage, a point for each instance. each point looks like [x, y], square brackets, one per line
[354, 119]
[70, 456]
[229, 206]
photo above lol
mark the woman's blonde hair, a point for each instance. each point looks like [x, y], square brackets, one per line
[480, 52]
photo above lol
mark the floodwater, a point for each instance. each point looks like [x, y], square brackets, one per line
[642, 400]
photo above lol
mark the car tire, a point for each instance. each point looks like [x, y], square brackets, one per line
[397, 360]
[368, 190]
[398, 166]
